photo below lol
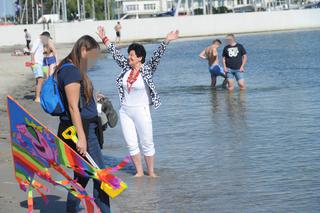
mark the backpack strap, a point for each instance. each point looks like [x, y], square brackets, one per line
[64, 65]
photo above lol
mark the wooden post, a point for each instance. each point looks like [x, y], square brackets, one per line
[93, 10]
[32, 10]
[42, 7]
[84, 10]
[105, 9]
[78, 7]
[27, 11]
[177, 8]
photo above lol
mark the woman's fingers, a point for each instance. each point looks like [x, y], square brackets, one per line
[101, 32]
[81, 150]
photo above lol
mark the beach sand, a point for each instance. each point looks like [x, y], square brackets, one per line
[18, 82]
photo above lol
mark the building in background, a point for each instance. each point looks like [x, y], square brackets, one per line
[143, 8]
[29, 11]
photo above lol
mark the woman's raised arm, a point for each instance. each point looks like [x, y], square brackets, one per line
[157, 54]
[121, 60]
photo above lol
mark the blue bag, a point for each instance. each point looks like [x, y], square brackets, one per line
[50, 98]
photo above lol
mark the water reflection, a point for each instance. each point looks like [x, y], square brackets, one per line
[229, 110]
[144, 195]
[236, 108]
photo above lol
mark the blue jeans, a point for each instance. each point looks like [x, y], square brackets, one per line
[101, 198]
[235, 74]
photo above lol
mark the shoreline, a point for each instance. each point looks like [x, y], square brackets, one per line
[155, 28]
[10, 48]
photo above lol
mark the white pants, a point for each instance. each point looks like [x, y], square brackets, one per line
[136, 125]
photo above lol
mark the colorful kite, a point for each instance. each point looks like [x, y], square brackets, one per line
[35, 149]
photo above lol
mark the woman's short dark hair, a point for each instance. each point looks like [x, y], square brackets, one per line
[139, 50]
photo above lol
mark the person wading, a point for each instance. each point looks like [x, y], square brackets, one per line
[137, 92]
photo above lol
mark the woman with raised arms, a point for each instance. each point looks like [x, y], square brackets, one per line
[137, 92]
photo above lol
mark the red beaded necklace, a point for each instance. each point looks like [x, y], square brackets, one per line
[133, 76]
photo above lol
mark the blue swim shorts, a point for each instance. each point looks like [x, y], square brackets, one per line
[216, 70]
[235, 74]
[47, 61]
[37, 71]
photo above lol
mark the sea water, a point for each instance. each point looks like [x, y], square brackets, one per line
[251, 151]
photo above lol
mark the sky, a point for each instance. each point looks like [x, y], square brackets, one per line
[6, 7]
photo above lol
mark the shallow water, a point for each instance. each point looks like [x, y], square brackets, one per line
[252, 151]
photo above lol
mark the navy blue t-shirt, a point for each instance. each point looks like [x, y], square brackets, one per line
[233, 56]
[71, 74]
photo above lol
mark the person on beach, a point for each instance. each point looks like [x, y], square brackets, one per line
[118, 28]
[234, 59]
[50, 53]
[37, 62]
[27, 36]
[76, 90]
[137, 92]
[210, 53]
[45, 23]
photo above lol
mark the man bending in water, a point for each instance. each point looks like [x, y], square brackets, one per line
[211, 54]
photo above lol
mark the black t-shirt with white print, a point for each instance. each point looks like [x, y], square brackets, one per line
[233, 56]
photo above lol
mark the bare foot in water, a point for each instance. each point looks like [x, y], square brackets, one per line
[138, 175]
[37, 100]
[153, 175]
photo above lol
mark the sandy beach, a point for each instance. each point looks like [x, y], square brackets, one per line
[18, 81]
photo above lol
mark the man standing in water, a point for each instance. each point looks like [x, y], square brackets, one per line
[234, 60]
[117, 28]
[211, 54]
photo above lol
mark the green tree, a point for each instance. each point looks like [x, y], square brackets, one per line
[98, 4]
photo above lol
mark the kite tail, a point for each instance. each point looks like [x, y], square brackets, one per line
[106, 174]
[37, 186]
[77, 190]
[30, 199]
[122, 164]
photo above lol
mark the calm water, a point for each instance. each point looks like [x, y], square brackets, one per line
[255, 151]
